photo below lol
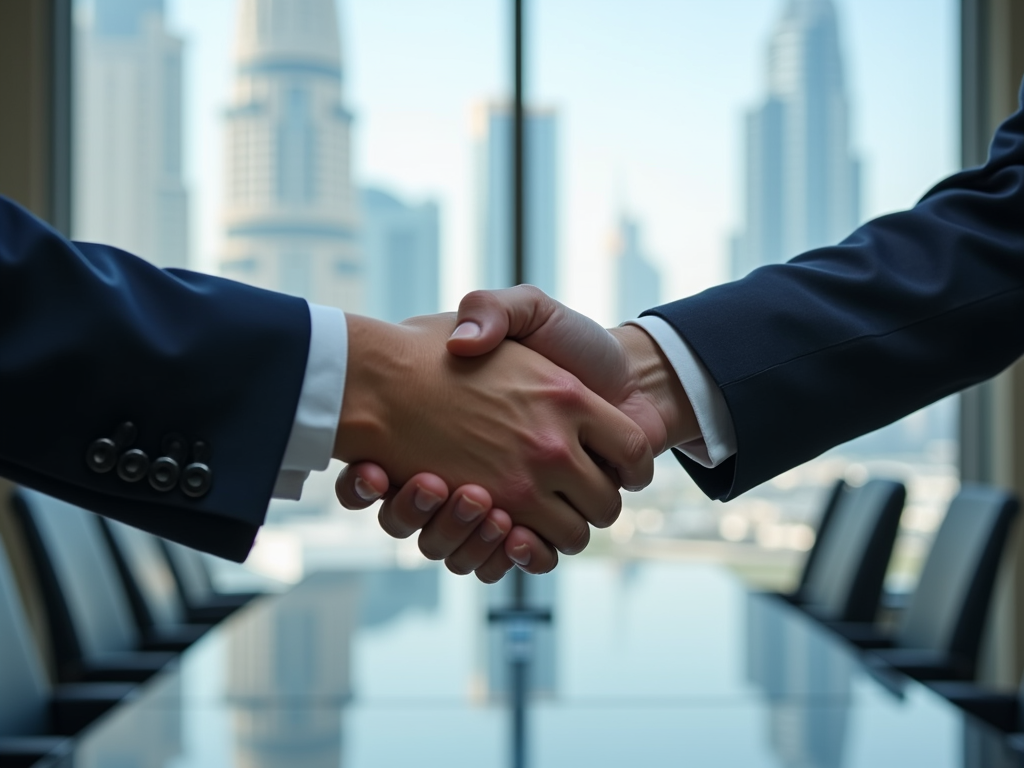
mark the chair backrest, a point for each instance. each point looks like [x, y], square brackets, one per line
[947, 610]
[191, 573]
[831, 500]
[89, 609]
[24, 689]
[846, 576]
[147, 575]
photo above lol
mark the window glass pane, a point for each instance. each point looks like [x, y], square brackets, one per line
[324, 148]
[696, 141]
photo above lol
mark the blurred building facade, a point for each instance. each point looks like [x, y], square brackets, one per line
[637, 280]
[492, 138]
[128, 185]
[401, 252]
[290, 219]
[802, 181]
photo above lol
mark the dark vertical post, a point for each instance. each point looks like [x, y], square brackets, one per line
[61, 118]
[519, 668]
[518, 153]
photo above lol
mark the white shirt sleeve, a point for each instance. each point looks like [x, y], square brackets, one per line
[311, 442]
[718, 436]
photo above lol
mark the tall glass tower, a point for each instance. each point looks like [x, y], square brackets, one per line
[802, 179]
[492, 138]
[290, 212]
[129, 189]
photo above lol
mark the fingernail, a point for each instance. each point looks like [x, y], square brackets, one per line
[520, 555]
[365, 491]
[490, 531]
[467, 510]
[466, 330]
[426, 501]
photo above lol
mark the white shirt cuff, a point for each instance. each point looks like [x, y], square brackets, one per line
[311, 442]
[718, 436]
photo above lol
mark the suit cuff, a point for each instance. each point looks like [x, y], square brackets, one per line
[311, 442]
[718, 436]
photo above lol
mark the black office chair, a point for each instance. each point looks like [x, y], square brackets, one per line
[149, 582]
[939, 635]
[844, 576]
[36, 718]
[95, 636]
[203, 603]
[831, 501]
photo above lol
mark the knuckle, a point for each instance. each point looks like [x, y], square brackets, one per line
[565, 390]
[476, 300]
[551, 448]
[519, 491]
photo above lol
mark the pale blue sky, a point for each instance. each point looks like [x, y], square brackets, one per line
[651, 96]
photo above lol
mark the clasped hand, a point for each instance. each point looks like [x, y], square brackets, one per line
[533, 413]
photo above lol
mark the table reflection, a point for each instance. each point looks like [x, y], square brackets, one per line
[653, 664]
[806, 682]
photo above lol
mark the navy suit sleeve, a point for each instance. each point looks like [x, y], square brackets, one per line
[91, 337]
[843, 340]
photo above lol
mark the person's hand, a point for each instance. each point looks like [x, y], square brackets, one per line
[622, 364]
[509, 420]
[470, 541]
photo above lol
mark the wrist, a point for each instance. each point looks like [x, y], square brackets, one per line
[658, 385]
[375, 362]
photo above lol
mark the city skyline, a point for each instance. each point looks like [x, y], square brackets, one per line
[663, 120]
[802, 180]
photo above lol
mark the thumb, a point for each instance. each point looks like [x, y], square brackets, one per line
[486, 318]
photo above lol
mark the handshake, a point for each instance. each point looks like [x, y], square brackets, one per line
[533, 413]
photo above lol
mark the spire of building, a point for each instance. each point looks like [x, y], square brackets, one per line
[290, 212]
[802, 179]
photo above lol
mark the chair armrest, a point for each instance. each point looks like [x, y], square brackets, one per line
[209, 614]
[128, 667]
[860, 635]
[922, 664]
[175, 638]
[27, 751]
[76, 705]
[219, 607]
[995, 707]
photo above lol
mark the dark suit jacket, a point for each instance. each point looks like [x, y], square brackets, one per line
[842, 340]
[91, 337]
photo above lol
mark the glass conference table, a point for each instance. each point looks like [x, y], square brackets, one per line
[647, 664]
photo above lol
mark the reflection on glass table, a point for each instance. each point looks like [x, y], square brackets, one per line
[642, 664]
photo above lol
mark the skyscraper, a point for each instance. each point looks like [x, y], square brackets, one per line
[128, 185]
[637, 281]
[290, 220]
[492, 136]
[802, 179]
[400, 249]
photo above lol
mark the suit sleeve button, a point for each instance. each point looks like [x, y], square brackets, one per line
[196, 480]
[133, 465]
[102, 455]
